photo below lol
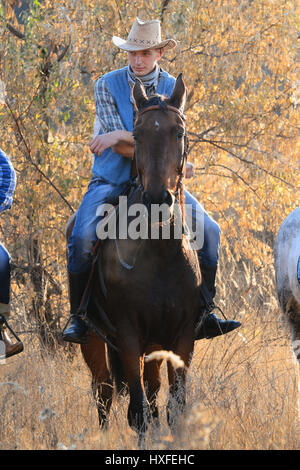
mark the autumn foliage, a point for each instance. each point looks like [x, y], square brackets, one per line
[238, 60]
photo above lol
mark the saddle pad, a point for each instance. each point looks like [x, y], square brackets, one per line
[298, 270]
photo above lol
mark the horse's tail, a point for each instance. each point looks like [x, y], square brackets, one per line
[117, 371]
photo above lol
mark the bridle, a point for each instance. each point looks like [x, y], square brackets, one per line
[139, 186]
[166, 107]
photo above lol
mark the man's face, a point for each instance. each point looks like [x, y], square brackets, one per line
[143, 62]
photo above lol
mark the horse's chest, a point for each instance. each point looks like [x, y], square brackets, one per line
[162, 284]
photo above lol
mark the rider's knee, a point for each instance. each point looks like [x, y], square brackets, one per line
[209, 253]
[80, 252]
[212, 231]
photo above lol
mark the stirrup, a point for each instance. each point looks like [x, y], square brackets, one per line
[16, 348]
[4, 322]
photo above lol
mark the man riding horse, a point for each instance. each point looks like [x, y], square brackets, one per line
[7, 187]
[113, 148]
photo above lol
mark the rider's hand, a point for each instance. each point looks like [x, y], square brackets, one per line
[189, 170]
[101, 142]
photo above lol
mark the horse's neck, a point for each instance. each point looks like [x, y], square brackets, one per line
[164, 248]
[160, 238]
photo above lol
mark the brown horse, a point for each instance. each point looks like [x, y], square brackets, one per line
[152, 285]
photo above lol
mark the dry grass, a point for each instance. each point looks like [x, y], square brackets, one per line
[242, 388]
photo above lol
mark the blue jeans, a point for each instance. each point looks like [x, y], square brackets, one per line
[4, 275]
[84, 236]
[209, 251]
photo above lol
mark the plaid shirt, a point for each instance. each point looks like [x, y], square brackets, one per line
[108, 118]
[7, 181]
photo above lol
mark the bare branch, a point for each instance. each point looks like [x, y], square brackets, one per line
[29, 156]
[66, 48]
[15, 32]
[248, 162]
[237, 175]
[164, 6]
[28, 268]
[203, 133]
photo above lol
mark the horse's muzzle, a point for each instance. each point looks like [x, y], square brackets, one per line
[160, 208]
[165, 197]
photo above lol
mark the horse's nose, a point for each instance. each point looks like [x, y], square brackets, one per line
[165, 197]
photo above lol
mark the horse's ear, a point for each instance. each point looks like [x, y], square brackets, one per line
[178, 97]
[139, 94]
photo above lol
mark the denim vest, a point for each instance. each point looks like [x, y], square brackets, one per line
[111, 166]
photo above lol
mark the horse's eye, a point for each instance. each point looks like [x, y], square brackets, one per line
[179, 135]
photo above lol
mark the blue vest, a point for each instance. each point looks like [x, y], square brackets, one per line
[111, 166]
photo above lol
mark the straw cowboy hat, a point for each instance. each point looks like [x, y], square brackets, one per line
[144, 35]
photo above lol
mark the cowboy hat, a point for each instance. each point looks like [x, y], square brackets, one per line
[144, 35]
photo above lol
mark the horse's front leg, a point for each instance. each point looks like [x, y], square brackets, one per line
[95, 357]
[177, 381]
[177, 401]
[152, 382]
[132, 359]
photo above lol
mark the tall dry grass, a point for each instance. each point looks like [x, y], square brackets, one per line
[242, 388]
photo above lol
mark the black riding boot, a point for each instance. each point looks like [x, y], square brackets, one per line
[210, 325]
[77, 331]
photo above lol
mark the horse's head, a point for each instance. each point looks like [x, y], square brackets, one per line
[160, 143]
